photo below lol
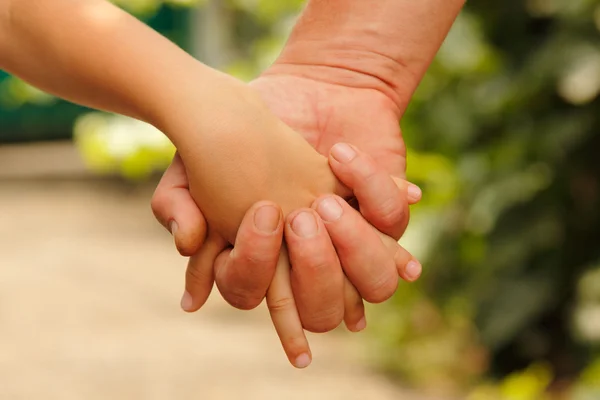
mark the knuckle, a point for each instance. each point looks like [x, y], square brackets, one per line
[365, 169]
[255, 251]
[281, 305]
[158, 204]
[390, 213]
[314, 265]
[186, 247]
[242, 299]
[243, 286]
[254, 258]
[250, 276]
[381, 289]
[323, 321]
[294, 345]
[316, 259]
[240, 293]
[196, 275]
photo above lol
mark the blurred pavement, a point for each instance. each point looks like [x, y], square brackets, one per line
[89, 292]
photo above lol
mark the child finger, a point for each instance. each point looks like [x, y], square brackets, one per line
[354, 308]
[174, 207]
[282, 307]
[199, 276]
[413, 192]
[409, 268]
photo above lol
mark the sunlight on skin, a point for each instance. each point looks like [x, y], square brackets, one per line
[105, 18]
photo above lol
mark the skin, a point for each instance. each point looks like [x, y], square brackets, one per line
[220, 125]
[346, 74]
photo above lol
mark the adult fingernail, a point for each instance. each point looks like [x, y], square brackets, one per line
[186, 301]
[173, 227]
[329, 209]
[413, 270]
[343, 153]
[414, 193]
[304, 225]
[302, 361]
[360, 325]
[266, 219]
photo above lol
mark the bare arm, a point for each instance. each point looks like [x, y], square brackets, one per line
[389, 42]
[93, 53]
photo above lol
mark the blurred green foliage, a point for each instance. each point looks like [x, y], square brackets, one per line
[27, 114]
[503, 136]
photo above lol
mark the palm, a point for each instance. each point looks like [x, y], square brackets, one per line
[326, 114]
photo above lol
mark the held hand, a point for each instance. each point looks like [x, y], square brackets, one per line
[325, 114]
[243, 275]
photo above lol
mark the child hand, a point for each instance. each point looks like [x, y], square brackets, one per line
[241, 155]
[280, 298]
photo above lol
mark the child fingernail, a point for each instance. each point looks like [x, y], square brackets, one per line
[360, 325]
[186, 301]
[413, 270]
[173, 227]
[343, 153]
[302, 361]
[414, 193]
[329, 209]
[266, 219]
[305, 225]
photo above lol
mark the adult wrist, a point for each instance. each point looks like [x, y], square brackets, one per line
[386, 44]
[4, 34]
[348, 65]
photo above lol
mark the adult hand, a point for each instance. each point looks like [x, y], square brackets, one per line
[346, 74]
[325, 112]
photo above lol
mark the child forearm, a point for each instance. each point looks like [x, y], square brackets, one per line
[92, 53]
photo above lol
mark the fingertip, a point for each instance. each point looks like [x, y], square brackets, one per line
[343, 153]
[284, 314]
[354, 308]
[267, 217]
[188, 243]
[303, 223]
[356, 327]
[187, 302]
[173, 227]
[382, 290]
[412, 271]
[330, 208]
[199, 275]
[302, 361]
[360, 325]
[413, 193]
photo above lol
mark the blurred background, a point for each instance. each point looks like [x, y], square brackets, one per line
[504, 139]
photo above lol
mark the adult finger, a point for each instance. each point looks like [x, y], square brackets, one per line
[316, 276]
[282, 307]
[364, 257]
[199, 276]
[175, 209]
[243, 274]
[383, 201]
